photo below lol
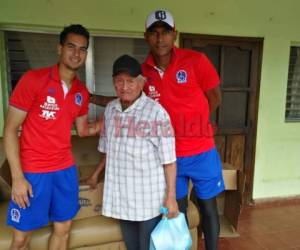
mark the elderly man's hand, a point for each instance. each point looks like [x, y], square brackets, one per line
[171, 204]
[91, 181]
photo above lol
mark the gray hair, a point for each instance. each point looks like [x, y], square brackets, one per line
[141, 78]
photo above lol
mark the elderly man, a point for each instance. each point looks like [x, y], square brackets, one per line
[139, 149]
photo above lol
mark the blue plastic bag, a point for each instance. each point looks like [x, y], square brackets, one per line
[171, 234]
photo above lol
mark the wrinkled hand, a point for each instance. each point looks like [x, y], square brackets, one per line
[91, 181]
[171, 204]
[21, 188]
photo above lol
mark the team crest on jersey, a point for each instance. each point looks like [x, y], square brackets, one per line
[78, 99]
[181, 76]
[15, 215]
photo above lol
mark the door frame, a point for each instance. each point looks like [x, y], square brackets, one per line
[256, 44]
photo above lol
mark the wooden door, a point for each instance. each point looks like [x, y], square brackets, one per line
[238, 62]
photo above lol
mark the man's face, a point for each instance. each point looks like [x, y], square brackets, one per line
[73, 52]
[128, 88]
[160, 40]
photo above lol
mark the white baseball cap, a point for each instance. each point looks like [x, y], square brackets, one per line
[160, 16]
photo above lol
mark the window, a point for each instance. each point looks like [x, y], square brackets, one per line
[292, 110]
[27, 50]
[105, 51]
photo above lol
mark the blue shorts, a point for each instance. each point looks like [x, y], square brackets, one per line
[55, 198]
[205, 171]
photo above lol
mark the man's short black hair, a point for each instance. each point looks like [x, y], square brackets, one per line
[75, 29]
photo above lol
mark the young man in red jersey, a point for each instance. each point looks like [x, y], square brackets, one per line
[46, 103]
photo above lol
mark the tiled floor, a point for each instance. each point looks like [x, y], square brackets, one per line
[266, 228]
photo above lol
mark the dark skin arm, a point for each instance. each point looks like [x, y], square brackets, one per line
[214, 98]
[101, 100]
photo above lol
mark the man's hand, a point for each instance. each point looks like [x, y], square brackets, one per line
[91, 181]
[171, 204]
[170, 200]
[21, 188]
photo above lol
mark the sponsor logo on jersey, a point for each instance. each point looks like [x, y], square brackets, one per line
[151, 88]
[153, 93]
[181, 76]
[49, 108]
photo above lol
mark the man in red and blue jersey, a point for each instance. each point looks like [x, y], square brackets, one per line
[46, 103]
[186, 84]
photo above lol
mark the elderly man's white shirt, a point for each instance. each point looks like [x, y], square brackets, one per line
[137, 142]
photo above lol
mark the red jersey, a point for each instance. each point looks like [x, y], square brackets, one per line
[181, 91]
[45, 141]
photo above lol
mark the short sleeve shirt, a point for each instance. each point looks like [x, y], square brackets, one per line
[181, 91]
[45, 141]
[137, 142]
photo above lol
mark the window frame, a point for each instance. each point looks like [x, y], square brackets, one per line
[292, 95]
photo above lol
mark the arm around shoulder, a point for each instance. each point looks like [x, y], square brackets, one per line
[101, 100]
